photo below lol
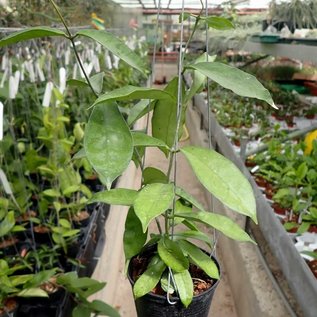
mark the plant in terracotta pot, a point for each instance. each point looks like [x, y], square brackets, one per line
[171, 263]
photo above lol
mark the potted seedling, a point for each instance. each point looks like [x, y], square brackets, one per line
[171, 263]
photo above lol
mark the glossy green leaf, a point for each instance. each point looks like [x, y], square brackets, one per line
[301, 171]
[172, 255]
[180, 207]
[79, 83]
[185, 287]
[197, 77]
[134, 238]
[133, 92]
[222, 179]
[150, 278]
[30, 33]
[108, 142]
[116, 196]
[103, 309]
[7, 223]
[39, 278]
[97, 82]
[80, 154]
[152, 201]
[200, 258]
[32, 292]
[181, 193]
[220, 223]
[167, 287]
[153, 175]
[239, 82]
[164, 119]
[116, 46]
[142, 139]
[51, 193]
[218, 23]
[139, 110]
[81, 311]
[193, 234]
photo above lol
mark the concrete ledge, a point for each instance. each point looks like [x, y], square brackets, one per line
[252, 288]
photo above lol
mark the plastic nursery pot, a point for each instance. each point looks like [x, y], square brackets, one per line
[157, 305]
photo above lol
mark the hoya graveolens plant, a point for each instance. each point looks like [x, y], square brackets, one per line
[111, 143]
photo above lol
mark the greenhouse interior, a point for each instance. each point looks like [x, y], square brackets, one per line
[158, 158]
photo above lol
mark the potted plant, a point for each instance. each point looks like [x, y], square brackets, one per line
[110, 143]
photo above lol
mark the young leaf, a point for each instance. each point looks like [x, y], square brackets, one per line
[40, 278]
[116, 46]
[164, 117]
[133, 238]
[181, 193]
[103, 309]
[32, 292]
[185, 287]
[222, 179]
[200, 258]
[150, 278]
[172, 255]
[139, 110]
[132, 92]
[219, 23]
[7, 223]
[153, 175]
[30, 33]
[193, 234]
[142, 139]
[239, 82]
[81, 311]
[152, 201]
[108, 142]
[220, 223]
[116, 196]
[181, 208]
[183, 17]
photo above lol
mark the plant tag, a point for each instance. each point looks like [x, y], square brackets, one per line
[47, 94]
[75, 69]
[11, 87]
[96, 64]
[5, 183]
[108, 61]
[89, 68]
[67, 57]
[62, 79]
[255, 168]
[39, 71]
[29, 67]
[116, 61]
[22, 71]
[4, 62]
[1, 121]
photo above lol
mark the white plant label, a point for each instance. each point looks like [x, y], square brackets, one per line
[62, 79]
[11, 87]
[5, 74]
[75, 69]
[67, 57]
[39, 71]
[1, 121]
[47, 94]
[255, 168]
[5, 183]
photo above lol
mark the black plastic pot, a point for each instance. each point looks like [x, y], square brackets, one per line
[157, 305]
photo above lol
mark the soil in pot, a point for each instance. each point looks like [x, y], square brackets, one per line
[9, 308]
[313, 266]
[81, 219]
[155, 303]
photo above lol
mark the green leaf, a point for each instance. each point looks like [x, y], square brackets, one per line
[198, 78]
[219, 222]
[7, 223]
[32, 292]
[103, 308]
[40, 278]
[239, 82]
[223, 179]
[181, 208]
[181, 193]
[116, 196]
[172, 255]
[183, 17]
[304, 226]
[184, 286]
[80, 83]
[108, 142]
[139, 110]
[116, 46]
[30, 33]
[193, 234]
[218, 23]
[97, 82]
[167, 287]
[51, 193]
[153, 175]
[153, 200]
[200, 258]
[150, 278]
[164, 119]
[133, 238]
[301, 171]
[142, 139]
[80, 154]
[133, 92]
[81, 311]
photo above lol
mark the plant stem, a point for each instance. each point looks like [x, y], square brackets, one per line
[158, 226]
[71, 38]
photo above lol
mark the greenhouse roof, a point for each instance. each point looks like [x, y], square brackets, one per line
[189, 4]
